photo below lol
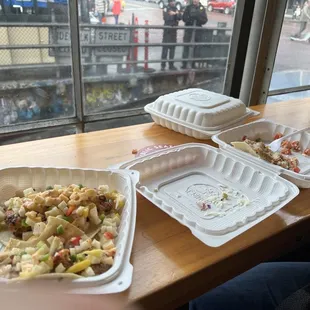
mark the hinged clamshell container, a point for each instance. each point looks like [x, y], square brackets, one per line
[118, 277]
[266, 130]
[212, 192]
[198, 113]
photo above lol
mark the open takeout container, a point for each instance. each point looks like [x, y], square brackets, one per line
[198, 113]
[118, 277]
[266, 130]
[177, 180]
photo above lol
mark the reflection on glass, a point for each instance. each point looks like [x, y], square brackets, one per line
[290, 96]
[291, 67]
[130, 56]
[35, 81]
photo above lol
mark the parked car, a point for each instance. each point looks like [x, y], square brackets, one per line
[180, 4]
[225, 6]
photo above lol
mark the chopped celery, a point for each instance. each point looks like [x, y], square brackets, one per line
[80, 257]
[40, 244]
[45, 258]
[24, 224]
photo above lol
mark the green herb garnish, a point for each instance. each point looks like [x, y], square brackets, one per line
[73, 258]
[60, 230]
[68, 218]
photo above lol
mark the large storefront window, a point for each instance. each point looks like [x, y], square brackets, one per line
[35, 84]
[291, 73]
[133, 57]
[130, 52]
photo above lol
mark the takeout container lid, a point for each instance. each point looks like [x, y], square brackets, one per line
[197, 112]
[266, 130]
[118, 277]
[176, 179]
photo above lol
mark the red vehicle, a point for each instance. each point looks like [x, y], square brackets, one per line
[224, 6]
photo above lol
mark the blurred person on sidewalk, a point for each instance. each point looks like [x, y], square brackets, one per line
[100, 8]
[116, 10]
[304, 19]
[171, 18]
[194, 15]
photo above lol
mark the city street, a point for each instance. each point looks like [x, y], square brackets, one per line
[291, 56]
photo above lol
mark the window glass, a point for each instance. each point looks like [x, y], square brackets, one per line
[291, 67]
[132, 59]
[35, 75]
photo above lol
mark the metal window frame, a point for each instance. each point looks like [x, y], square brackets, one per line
[239, 42]
[264, 40]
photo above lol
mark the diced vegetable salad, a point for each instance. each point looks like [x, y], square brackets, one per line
[94, 213]
[82, 206]
[79, 255]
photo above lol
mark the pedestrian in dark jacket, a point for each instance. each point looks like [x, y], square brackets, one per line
[194, 15]
[171, 17]
[304, 19]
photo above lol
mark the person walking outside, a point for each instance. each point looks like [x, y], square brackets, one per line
[116, 10]
[194, 15]
[171, 17]
[100, 8]
[304, 18]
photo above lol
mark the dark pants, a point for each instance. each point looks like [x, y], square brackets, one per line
[303, 26]
[262, 288]
[170, 36]
[187, 39]
[116, 19]
[100, 16]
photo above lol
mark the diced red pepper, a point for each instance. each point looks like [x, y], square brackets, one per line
[278, 135]
[306, 152]
[75, 241]
[297, 169]
[70, 210]
[286, 151]
[244, 138]
[108, 235]
[296, 146]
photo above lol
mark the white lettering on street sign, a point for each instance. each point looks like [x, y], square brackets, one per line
[61, 35]
[106, 36]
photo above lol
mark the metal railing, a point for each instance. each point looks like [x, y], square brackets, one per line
[210, 51]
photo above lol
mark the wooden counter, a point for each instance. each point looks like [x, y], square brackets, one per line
[171, 266]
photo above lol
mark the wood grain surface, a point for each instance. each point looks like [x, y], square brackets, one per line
[171, 266]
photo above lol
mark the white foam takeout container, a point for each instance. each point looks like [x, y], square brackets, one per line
[266, 130]
[177, 179]
[118, 277]
[198, 113]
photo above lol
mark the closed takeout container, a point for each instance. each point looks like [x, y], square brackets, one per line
[198, 113]
[266, 130]
[179, 179]
[118, 277]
